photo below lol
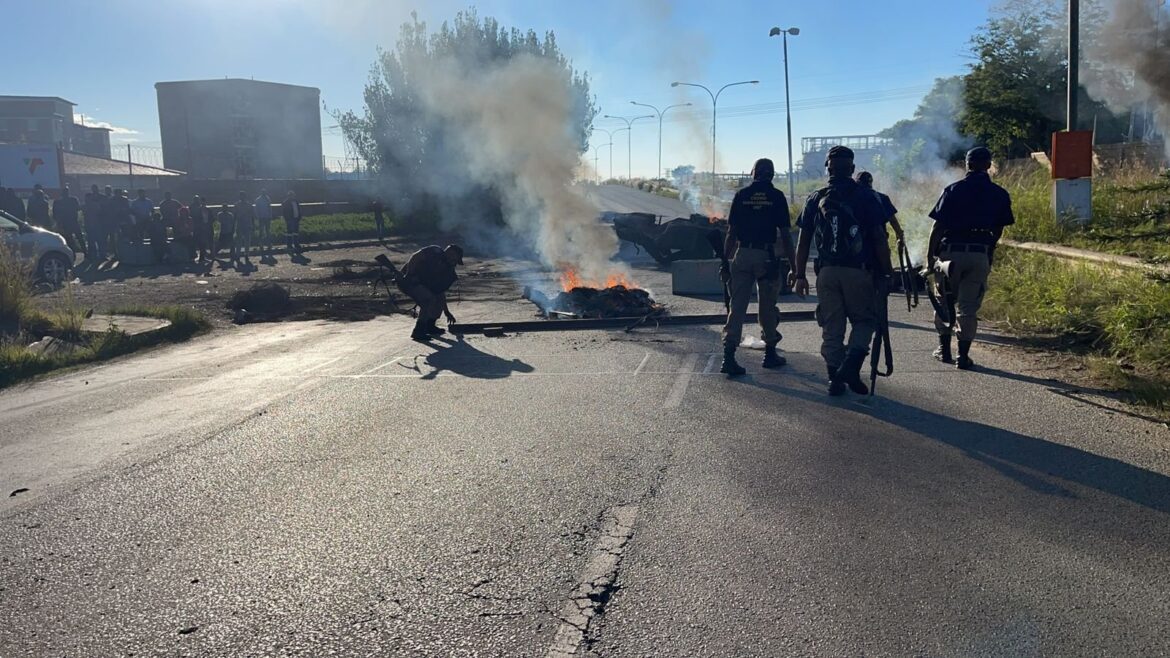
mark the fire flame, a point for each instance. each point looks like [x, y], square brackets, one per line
[571, 279]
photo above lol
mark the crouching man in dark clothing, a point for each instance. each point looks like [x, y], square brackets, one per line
[425, 278]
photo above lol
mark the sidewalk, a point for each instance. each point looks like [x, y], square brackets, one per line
[1086, 255]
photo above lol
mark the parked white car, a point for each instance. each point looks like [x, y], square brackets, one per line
[44, 251]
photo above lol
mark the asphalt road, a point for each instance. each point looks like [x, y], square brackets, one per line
[334, 489]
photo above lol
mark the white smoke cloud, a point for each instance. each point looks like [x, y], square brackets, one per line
[514, 128]
[114, 130]
[1129, 67]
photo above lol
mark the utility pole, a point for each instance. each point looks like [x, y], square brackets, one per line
[660, 113]
[1074, 56]
[629, 140]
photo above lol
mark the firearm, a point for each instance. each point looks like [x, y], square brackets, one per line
[938, 289]
[715, 239]
[908, 286]
[881, 337]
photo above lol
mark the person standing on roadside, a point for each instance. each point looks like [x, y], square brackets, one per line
[38, 208]
[202, 229]
[66, 212]
[96, 248]
[141, 211]
[227, 231]
[759, 213]
[13, 205]
[263, 208]
[969, 219]
[291, 209]
[853, 262]
[379, 218]
[245, 213]
[865, 179]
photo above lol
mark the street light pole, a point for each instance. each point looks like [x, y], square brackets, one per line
[787, 104]
[1074, 56]
[595, 156]
[714, 114]
[629, 140]
[660, 114]
[610, 133]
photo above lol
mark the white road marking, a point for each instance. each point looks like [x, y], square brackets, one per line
[388, 363]
[710, 364]
[595, 584]
[674, 398]
[321, 365]
[642, 365]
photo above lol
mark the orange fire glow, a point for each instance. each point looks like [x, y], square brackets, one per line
[571, 279]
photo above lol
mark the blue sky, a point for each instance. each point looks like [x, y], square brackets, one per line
[107, 56]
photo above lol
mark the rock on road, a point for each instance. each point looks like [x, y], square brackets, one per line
[334, 489]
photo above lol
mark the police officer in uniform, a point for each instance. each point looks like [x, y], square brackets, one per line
[853, 258]
[865, 179]
[969, 219]
[759, 213]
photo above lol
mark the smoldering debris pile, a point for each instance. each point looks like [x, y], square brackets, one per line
[585, 302]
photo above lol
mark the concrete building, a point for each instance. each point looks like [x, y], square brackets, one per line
[866, 149]
[240, 129]
[49, 120]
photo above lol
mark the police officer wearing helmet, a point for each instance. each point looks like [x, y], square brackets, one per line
[847, 223]
[759, 214]
[969, 219]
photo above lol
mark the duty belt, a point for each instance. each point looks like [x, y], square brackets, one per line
[971, 248]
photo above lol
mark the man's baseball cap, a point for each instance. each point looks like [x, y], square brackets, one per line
[839, 153]
[457, 250]
[979, 154]
[865, 177]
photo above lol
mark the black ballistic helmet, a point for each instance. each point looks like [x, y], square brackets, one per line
[839, 153]
[764, 169]
[979, 154]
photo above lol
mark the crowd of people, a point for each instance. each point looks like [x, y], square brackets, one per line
[107, 222]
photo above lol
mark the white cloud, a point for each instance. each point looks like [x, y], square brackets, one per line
[114, 130]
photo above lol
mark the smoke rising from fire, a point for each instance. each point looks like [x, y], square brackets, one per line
[514, 131]
[1129, 43]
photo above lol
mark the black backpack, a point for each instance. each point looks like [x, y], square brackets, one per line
[839, 235]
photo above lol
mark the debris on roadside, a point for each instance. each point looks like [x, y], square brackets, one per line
[265, 299]
[585, 302]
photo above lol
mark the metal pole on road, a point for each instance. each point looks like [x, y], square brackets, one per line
[660, 114]
[610, 134]
[595, 149]
[787, 103]
[629, 139]
[1074, 56]
[714, 114]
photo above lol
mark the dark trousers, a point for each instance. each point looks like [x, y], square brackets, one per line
[292, 229]
[430, 303]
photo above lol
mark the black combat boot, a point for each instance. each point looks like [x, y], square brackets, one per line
[434, 329]
[420, 333]
[771, 358]
[730, 367]
[850, 372]
[943, 353]
[965, 362]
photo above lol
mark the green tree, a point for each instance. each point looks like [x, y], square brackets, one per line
[400, 137]
[1016, 92]
[929, 136]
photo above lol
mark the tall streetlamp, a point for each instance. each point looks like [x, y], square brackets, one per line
[787, 104]
[595, 149]
[714, 113]
[660, 113]
[629, 139]
[610, 134]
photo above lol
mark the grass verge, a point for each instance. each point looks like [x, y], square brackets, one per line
[1131, 213]
[18, 363]
[1120, 319]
